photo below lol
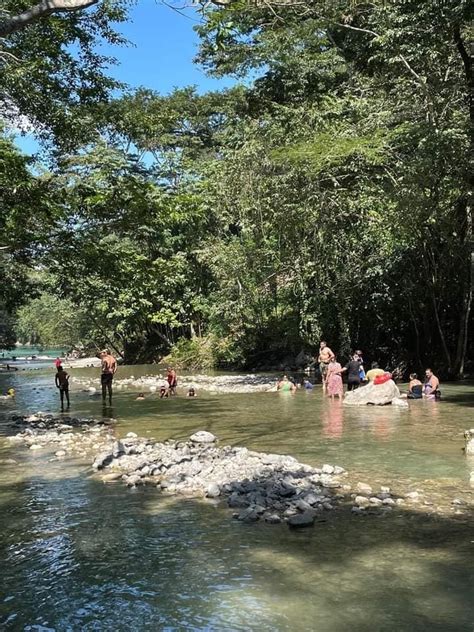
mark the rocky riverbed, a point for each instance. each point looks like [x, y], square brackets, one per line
[255, 485]
[215, 384]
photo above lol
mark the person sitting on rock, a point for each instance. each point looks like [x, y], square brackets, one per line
[61, 380]
[374, 372]
[415, 387]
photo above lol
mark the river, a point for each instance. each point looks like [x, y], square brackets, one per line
[77, 554]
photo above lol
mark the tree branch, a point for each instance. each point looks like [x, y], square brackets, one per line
[41, 10]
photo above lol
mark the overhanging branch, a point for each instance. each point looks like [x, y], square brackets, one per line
[41, 10]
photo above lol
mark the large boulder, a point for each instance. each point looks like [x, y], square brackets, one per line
[374, 394]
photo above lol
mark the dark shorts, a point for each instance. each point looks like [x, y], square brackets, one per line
[106, 379]
[64, 389]
[323, 367]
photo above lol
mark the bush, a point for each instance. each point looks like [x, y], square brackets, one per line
[208, 352]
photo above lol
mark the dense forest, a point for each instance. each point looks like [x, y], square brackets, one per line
[326, 194]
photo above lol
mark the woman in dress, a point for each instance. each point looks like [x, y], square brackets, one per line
[334, 379]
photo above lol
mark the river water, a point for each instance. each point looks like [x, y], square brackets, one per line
[77, 554]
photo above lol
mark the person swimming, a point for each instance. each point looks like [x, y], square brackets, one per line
[141, 396]
[191, 392]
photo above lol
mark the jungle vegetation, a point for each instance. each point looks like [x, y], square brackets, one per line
[328, 193]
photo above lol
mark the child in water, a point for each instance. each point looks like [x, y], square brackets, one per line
[164, 392]
[61, 380]
[140, 396]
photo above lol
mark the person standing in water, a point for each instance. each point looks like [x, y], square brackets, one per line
[61, 380]
[334, 380]
[415, 387]
[285, 385]
[108, 369]
[353, 372]
[324, 358]
[172, 380]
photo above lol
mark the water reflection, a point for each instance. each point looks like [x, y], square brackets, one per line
[332, 419]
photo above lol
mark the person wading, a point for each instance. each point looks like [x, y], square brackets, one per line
[108, 368]
[324, 358]
[61, 380]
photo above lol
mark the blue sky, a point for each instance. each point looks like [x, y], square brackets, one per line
[161, 58]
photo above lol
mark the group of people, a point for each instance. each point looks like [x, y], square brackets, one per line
[108, 368]
[332, 372]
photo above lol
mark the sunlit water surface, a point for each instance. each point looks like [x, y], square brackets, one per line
[76, 554]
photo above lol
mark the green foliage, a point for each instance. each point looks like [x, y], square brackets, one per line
[207, 352]
[48, 321]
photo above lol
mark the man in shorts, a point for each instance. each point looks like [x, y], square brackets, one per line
[61, 380]
[108, 368]
[324, 358]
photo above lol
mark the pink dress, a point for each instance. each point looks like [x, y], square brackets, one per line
[334, 380]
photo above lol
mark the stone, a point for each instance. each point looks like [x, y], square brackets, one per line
[338, 470]
[358, 510]
[272, 518]
[412, 495]
[388, 501]
[118, 449]
[302, 505]
[102, 460]
[458, 501]
[60, 453]
[376, 502]
[35, 446]
[375, 394]
[202, 436]
[132, 435]
[363, 488]
[362, 501]
[327, 469]
[8, 462]
[213, 490]
[248, 515]
[111, 477]
[299, 521]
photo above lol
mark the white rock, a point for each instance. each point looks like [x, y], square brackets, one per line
[202, 436]
[60, 453]
[131, 435]
[364, 488]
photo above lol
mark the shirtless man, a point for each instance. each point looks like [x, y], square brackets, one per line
[61, 380]
[431, 386]
[325, 356]
[108, 368]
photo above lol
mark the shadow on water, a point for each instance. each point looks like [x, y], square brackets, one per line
[79, 554]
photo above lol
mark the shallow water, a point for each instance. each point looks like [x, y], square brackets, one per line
[80, 555]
